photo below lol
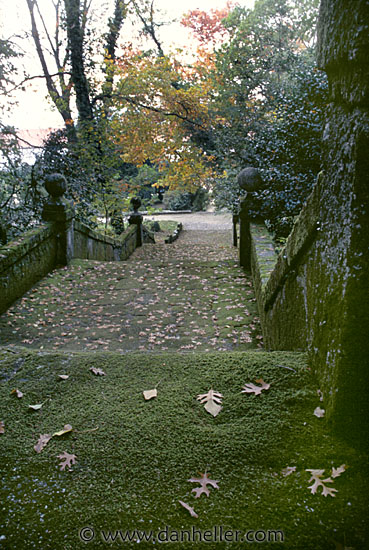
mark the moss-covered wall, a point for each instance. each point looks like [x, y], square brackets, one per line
[25, 261]
[91, 245]
[284, 285]
[317, 297]
[339, 351]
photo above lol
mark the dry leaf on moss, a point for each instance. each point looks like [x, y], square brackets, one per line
[189, 508]
[287, 471]
[66, 460]
[2, 427]
[336, 472]
[98, 372]
[252, 388]
[212, 401]
[204, 480]
[67, 428]
[316, 476]
[42, 442]
[319, 412]
[35, 407]
[150, 394]
[16, 392]
[45, 438]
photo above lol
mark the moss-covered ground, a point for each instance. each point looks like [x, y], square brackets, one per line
[134, 457]
[190, 312]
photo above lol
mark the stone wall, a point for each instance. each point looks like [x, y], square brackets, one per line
[340, 349]
[285, 286]
[25, 261]
[91, 245]
[28, 259]
[317, 297]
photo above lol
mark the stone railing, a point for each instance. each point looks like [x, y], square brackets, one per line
[284, 284]
[25, 261]
[29, 258]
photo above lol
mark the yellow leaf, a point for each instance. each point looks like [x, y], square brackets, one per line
[67, 428]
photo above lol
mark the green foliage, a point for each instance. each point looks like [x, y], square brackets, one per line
[177, 200]
[269, 107]
[183, 200]
[200, 200]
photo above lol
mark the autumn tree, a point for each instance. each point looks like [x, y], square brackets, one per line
[156, 104]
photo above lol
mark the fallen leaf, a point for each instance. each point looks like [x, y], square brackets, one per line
[204, 480]
[43, 440]
[98, 372]
[316, 476]
[289, 470]
[189, 508]
[16, 392]
[67, 428]
[66, 460]
[2, 427]
[35, 407]
[252, 388]
[63, 376]
[212, 401]
[150, 394]
[336, 472]
[319, 412]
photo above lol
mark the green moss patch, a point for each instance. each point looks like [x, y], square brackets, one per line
[134, 457]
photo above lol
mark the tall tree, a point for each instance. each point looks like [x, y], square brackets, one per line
[268, 103]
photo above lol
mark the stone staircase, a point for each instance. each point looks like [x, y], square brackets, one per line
[190, 295]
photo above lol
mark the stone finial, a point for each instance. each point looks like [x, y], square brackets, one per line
[135, 217]
[56, 186]
[56, 209]
[249, 179]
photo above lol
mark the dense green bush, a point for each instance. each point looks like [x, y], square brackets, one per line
[177, 200]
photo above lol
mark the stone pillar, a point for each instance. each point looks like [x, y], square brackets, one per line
[136, 219]
[61, 214]
[340, 344]
[249, 180]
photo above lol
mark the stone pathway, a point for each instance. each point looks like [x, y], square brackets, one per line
[190, 295]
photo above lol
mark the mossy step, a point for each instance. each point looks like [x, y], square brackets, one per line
[134, 458]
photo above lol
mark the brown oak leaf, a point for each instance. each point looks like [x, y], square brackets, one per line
[189, 508]
[98, 372]
[336, 472]
[252, 388]
[204, 480]
[212, 401]
[42, 442]
[288, 471]
[66, 460]
[17, 392]
[316, 476]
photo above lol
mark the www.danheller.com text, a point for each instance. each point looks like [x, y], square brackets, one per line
[217, 533]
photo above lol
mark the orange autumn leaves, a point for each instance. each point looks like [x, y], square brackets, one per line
[157, 107]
